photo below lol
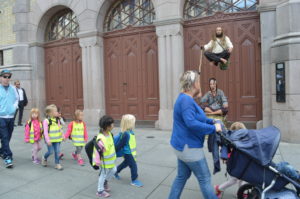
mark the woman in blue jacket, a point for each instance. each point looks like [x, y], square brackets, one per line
[190, 125]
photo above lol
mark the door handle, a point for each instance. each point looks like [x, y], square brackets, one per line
[124, 84]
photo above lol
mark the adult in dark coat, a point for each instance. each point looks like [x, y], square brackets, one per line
[23, 101]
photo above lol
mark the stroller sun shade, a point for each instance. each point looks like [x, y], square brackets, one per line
[260, 144]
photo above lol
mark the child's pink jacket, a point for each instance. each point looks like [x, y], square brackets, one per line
[36, 129]
[70, 128]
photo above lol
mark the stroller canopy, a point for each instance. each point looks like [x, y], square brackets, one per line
[260, 144]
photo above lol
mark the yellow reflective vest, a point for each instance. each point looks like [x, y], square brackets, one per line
[132, 145]
[78, 134]
[109, 156]
[54, 131]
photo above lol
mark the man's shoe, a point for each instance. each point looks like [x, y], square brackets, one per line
[8, 163]
[20, 124]
[44, 162]
[137, 183]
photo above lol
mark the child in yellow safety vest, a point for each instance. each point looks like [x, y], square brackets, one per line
[77, 131]
[33, 134]
[128, 145]
[107, 160]
[53, 135]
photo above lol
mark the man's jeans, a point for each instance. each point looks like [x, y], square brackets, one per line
[201, 171]
[55, 146]
[6, 129]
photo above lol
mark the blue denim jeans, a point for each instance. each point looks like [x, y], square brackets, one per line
[201, 171]
[56, 148]
[129, 161]
[6, 130]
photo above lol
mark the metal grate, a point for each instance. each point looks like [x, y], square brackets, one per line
[63, 25]
[202, 8]
[129, 12]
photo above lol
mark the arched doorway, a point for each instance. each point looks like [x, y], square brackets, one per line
[131, 60]
[242, 81]
[63, 68]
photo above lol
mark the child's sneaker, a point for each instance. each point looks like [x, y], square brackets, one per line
[8, 163]
[106, 187]
[218, 191]
[80, 162]
[117, 176]
[44, 162]
[74, 156]
[137, 183]
[103, 194]
[61, 156]
[37, 161]
[59, 167]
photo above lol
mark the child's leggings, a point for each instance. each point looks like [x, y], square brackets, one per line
[231, 181]
[36, 147]
[55, 146]
[105, 175]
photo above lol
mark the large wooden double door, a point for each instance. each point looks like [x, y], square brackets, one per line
[242, 81]
[63, 72]
[131, 73]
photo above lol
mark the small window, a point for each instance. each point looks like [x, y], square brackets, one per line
[202, 8]
[63, 25]
[1, 58]
[129, 12]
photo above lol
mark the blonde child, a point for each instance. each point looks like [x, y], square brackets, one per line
[53, 135]
[129, 149]
[232, 180]
[108, 168]
[33, 134]
[77, 131]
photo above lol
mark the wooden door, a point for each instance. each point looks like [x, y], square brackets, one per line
[63, 72]
[242, 81]
[131, 73]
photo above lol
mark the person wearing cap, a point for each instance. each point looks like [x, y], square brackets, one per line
[8, 106]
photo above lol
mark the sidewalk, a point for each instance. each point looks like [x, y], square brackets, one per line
[156, 164]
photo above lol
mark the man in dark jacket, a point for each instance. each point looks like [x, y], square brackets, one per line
[22, 101]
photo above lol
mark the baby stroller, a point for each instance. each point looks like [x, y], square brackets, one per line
[251, 161]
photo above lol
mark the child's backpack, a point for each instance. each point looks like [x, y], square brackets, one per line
[89, 149]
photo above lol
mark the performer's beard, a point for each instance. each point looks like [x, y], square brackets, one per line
[219, 35]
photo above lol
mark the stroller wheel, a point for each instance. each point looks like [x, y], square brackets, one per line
[248, 191]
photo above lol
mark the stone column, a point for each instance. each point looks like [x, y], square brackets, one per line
[21, 65]
[286, 48]
[171, 66]
[93, 76]
[268, 19]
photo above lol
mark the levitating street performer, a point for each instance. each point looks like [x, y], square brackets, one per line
[218, 50]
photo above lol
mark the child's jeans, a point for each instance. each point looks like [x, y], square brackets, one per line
[36, 147]
[129, 161]
[78, 150]
[56, 148]
[105, 175]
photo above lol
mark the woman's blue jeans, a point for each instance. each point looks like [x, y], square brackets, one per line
[201, 171]
[56, 148]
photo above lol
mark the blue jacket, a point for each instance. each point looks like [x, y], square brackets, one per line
[123, 144]
[8, 102]
[190, 124]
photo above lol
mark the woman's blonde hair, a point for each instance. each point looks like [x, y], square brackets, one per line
[188, 79]
[77, 113]
[49, 109]
[127, 122]
[237, 126]
[35, 110]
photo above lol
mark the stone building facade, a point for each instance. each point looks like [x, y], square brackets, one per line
[142, 58]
